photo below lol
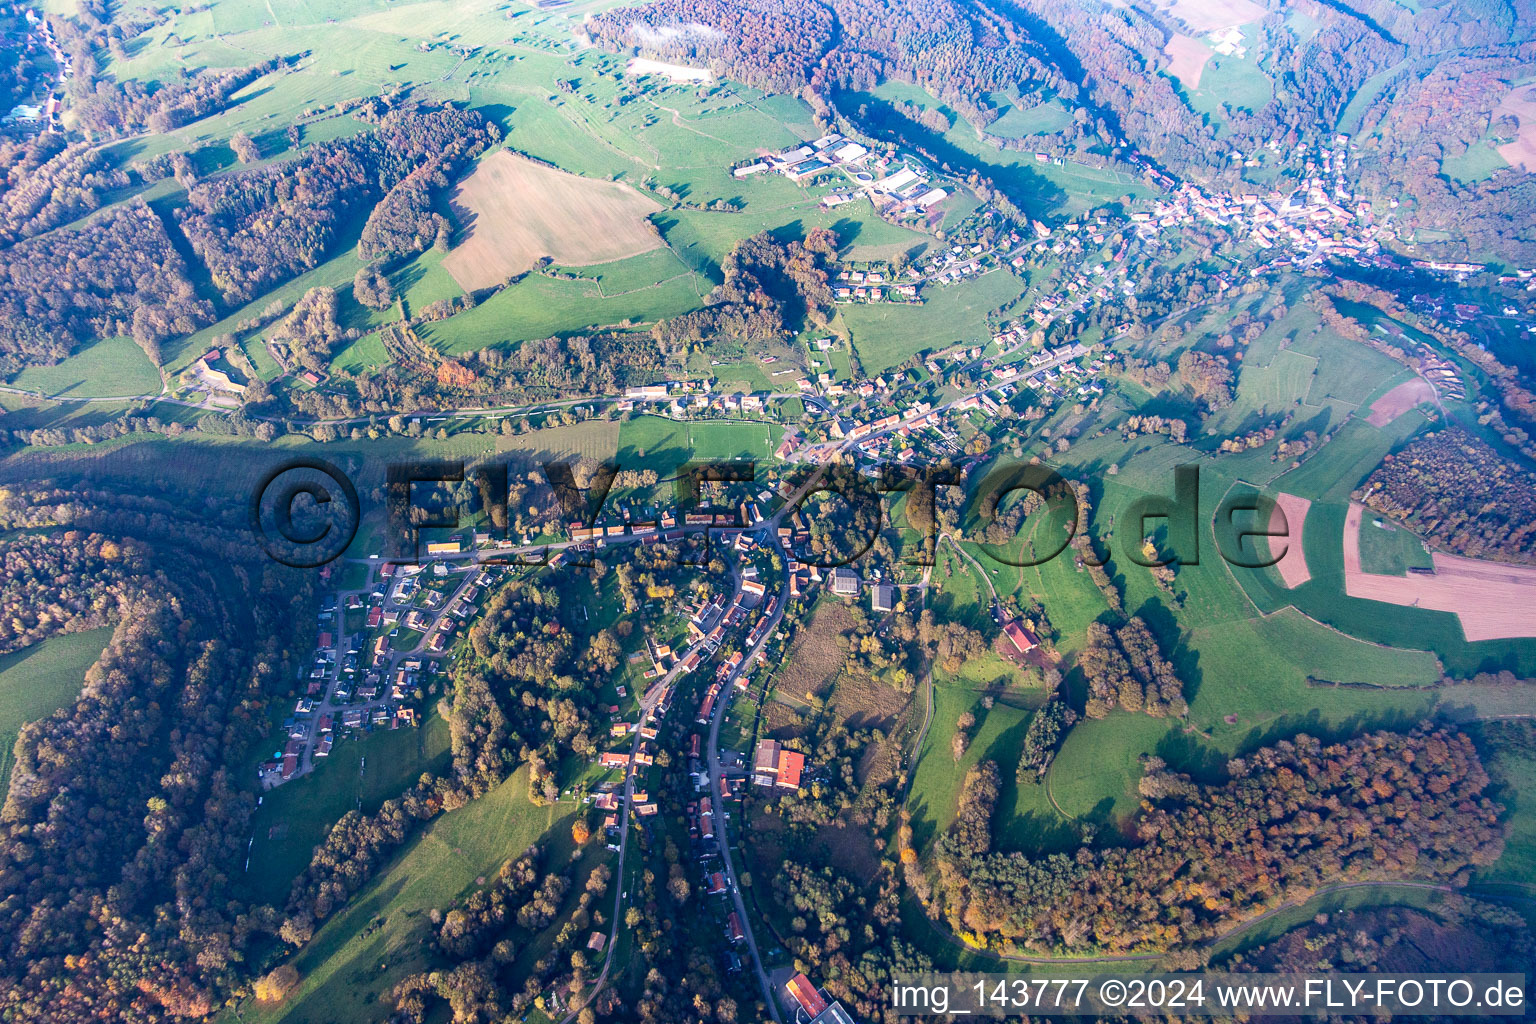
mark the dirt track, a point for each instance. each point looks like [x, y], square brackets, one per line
[1290, 513]
[1491, 599]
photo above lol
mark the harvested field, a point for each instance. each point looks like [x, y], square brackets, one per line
[1187, 57]
[1399, 400]
[676, 72]
[1213, 15]
[1290, 512]
[1521, 103]
[1492, 600]
[518, 210]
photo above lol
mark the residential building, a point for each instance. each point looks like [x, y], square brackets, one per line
[772, 765]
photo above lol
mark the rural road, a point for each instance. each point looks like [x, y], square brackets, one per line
[722, 828]
[647, 708]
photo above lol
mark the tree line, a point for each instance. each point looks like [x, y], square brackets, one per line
[1289, 819]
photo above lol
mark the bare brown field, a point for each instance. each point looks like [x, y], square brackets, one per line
[1492, 600]
[1186, 59]
[1290, 512]
[1399, 400]
[780, 721]
[518, 211]
[1522, 104]
[1211, 15]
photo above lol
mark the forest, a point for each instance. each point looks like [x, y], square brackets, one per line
[256, 229]
[126, 279]
[1290, 819]
[120, 108]
[1459, 494]
[126, 812]
[49, 182]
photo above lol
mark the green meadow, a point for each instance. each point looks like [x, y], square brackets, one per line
[1232, 82]
[1389, 549]
[539, 307]
[665, 445]
[379, 936]
[109, 368]
[887, 334]
[40, 679]
[359, 774]
[1259, 662]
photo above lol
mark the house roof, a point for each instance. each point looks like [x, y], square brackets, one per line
[767, 756]
[1022, 638]
[805, 993]
[791, 765]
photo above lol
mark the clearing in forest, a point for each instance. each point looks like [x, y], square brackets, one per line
[1187, 57]
[1521, 104]
[517, 210]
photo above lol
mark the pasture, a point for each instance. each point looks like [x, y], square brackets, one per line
[936, 777]
[664, 445]
[516, 211]
[1481, 161]
[380, 935]
[1020, 119]
[1513, 767]
[359, 774]
[1388, 549]
[1230, 81]
[886, 335]
[109, 368]
[38, 680]
[541, 307]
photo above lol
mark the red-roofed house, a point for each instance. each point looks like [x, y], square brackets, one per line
[803, 992]
[772, 765]
[1022, 638]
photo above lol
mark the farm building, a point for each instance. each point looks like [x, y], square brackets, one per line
[1022, 638]
[772, 765]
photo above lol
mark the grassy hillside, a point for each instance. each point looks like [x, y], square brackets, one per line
[38, 680]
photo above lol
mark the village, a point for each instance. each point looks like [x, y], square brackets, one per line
[378, 648]
[44, 115]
